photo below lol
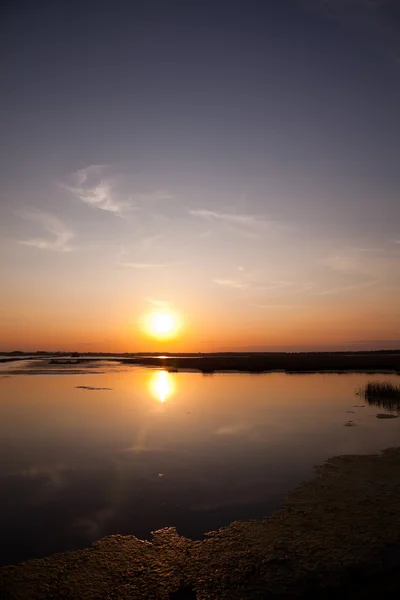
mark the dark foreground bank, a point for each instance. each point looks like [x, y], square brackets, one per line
[337, 536]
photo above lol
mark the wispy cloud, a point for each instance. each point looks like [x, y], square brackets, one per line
[341, 262]
[60, 235]
[354, 259]
[139, 247]
[93, 187]
[244, 224]
[158, 303]
[134, 265]
[346, 288]
[359, 267]
[238, 285]
[248, 220]
[275, 306]
[270, 287]
[273, 285]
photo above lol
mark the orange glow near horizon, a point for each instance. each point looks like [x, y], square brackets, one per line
[324, 322]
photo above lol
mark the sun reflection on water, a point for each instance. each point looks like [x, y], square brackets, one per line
[161, 385]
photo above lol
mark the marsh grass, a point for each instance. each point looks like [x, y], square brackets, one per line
[383, 394]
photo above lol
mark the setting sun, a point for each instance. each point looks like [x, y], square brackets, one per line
[161, 324]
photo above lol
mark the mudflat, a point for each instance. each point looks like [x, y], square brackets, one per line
[338, 534]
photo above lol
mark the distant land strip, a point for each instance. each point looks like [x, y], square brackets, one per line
[250, 362]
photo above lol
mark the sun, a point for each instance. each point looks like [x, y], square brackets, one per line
[161, 324]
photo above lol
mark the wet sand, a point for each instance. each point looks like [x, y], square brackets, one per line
[336, 536]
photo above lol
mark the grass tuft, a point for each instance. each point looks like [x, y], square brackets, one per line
[383, 394]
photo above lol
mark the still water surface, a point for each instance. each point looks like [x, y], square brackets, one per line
[165, 449]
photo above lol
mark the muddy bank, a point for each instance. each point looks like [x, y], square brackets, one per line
[336, 536]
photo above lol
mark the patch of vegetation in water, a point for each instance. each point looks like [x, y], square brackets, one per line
[91, 388]
[386, 416]
[384, 394]
[381, 389]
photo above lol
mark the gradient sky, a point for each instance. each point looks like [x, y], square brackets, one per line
[235, 161]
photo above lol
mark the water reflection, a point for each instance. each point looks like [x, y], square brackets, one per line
[161, 385]
[78, 465]
[390, 404]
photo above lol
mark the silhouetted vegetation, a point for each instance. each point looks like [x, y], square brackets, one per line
[296, 362]
[383, 394]
[64, 362]
[386, 416]
[249, 362]
[381, 389]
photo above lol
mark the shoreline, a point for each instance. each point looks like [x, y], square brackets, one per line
[272, 362]
[338, 533]
[312, 362]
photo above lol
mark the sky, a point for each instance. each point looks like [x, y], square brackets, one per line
[234, 162]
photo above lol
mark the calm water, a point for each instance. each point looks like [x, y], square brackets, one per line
[160, 449]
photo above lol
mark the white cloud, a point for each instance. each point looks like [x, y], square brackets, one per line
[248, 220]
[53, 226]
[247, 225]
[142, 265]
[238, 285]
[93, 187]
